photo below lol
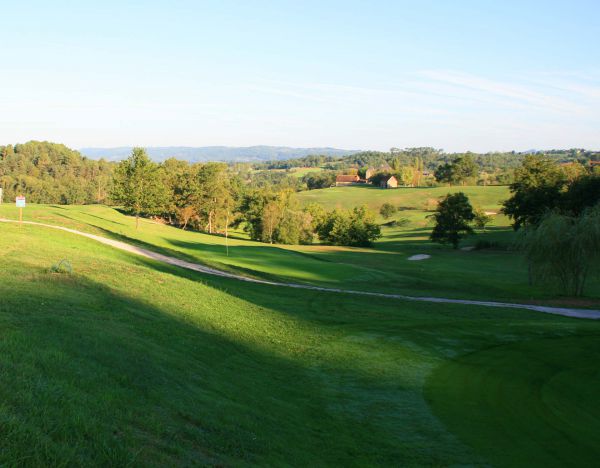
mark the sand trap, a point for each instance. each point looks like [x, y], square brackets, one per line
[419, 257]
[468, 248]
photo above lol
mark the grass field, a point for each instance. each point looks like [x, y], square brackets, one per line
[129, 362]
[302, 171]
[487, 198]
[498, 273]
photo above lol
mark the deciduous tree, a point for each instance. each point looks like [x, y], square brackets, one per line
[452, 218]
[138, 185]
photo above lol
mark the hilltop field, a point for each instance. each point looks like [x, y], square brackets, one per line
[125, 360]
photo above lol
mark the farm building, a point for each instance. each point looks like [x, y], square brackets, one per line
[370, 172]
[390, 182]
[342, 180]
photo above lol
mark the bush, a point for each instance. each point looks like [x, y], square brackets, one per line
[481, 219]
[63, 267]
[356, 227]
[387, 210]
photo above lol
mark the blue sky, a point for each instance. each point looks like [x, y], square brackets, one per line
[459, 75]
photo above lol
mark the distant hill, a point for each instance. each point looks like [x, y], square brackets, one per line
[216, 153]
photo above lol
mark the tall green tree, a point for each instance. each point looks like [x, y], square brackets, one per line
[464, 168]
[138, 185]
[444, 173]
[538, 187]
[406, 175]
[458, 171]
[563, 249]
[452, 218]
[583, 193]
[215, 202]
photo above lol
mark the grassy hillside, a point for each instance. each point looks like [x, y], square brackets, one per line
[487, 198]
[497, 273]
[127, 361]
[302, 171]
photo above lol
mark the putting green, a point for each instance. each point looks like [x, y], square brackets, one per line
[533, 403]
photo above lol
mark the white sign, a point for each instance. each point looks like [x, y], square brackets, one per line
[20, 202]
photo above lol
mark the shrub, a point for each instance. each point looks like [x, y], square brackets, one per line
[481, 219]
[63, 267]
[356, 227]
[387, 210]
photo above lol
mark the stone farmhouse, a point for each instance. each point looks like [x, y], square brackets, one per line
[342, 180]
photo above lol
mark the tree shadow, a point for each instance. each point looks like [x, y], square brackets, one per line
[123, 381]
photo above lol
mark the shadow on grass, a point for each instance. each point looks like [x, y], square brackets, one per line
[123, 381]
[102, 219]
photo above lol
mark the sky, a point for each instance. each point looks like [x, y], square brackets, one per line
[458, 75]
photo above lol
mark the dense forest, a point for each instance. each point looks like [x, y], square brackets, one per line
[52, 173]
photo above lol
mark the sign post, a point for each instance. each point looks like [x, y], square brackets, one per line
[20, 203]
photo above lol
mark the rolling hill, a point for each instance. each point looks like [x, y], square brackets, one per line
[216, 153]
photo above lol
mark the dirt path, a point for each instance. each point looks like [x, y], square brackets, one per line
[567, 312]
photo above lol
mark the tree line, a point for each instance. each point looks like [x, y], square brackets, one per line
[209, 198]
[491, 162]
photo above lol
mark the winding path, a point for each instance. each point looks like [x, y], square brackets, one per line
[567, 312]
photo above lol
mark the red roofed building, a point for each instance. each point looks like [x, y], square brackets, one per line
[342, 180]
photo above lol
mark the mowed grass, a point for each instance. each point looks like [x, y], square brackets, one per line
[130, 362]
[499, 273]
[487, 198]
[302, 171]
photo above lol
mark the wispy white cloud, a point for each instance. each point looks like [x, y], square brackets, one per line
[514, 91]
[450, 92]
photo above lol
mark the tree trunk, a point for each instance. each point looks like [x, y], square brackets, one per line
[226, 233]
[137, 221]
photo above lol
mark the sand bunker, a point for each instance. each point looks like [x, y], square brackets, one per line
[419, 257]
